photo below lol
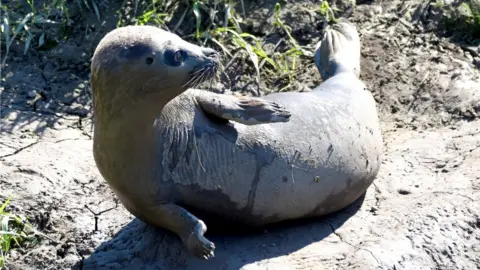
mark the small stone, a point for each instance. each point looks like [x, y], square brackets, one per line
[477, 107]
[377, 9]
[77, 109]
[418, 41]
[13, 254]
[469, 56]
[441, 165]
[32, 94]
[425, 97]
[476, 62]
[403, 191]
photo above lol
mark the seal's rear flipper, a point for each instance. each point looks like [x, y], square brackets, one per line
[338, 51]
[188, 227]
[245, 110]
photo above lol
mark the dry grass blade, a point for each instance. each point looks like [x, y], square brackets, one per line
[245, 45]
[28, 42]
[95, 7]
[85, 2]
[221, 46]
[41, 40]
[18, 30]
[6, 30]
[20, 26]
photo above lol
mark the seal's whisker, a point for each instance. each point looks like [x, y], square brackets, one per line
[199, 76]
[198, 71]
[203, 76]
[206, 74]
[212, 75]
[193, 78]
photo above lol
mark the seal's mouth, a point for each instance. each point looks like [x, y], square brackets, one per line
[204, 71]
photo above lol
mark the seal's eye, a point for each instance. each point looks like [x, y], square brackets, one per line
[149, 60]
[178, 57]
[175, 58]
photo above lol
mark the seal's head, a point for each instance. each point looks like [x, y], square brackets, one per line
[137, 65]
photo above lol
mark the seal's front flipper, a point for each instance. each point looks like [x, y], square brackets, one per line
[245, 110]
[188, 227]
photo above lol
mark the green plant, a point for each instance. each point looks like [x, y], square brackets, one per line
[462, 22]
[438, 3]
[215, 21]
[150, 13]
[290, 55]
[32, 27]
[14, 232]
[86, 4]
[228, 31]
[327, 11]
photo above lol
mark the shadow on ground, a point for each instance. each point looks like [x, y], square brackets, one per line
[140, 246]
[43, 99]
[50, 84]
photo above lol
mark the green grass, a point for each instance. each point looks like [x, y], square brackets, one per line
[216, 23]
[31, 26]
[15, 232]
[327, 11]
[462, 22]
[279, 65]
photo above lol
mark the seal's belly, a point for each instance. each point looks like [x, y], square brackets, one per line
[267, 173]
[330, 159]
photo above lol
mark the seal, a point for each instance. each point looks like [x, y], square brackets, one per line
[165, 146]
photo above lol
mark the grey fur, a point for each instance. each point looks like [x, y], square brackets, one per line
[308, 154]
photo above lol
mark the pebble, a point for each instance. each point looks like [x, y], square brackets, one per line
[425, 96]
[377, 9]
[418, 41]
[32, 94]
[477, 107]
[476, 62]
[403, 191]
[441, 165]
[469, 56]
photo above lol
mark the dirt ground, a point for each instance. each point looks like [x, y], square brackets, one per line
[422, 212]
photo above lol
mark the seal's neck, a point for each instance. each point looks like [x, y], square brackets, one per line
[124, 139]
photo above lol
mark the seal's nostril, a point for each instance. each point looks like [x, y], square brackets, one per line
[210, 52]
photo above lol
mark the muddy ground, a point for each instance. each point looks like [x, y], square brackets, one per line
[422, 212]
